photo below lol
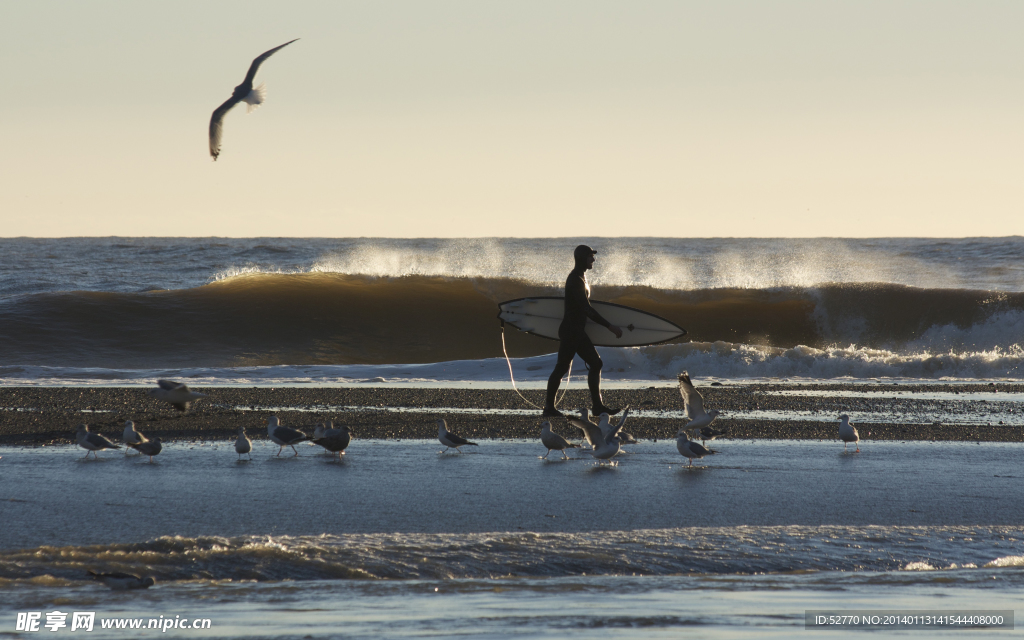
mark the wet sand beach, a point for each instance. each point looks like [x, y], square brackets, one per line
[897, 411]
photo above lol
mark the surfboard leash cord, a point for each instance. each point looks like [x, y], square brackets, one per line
[558, 399]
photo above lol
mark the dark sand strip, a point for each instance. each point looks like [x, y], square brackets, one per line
[48, 415]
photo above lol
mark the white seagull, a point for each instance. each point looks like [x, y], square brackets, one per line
[318, 432]
[243, 444]
[583, 423]
[604, 423]
[148, 448]
[604, 447]
[122, 581]
[93, 442]
[253, 97]
[693, 403]
[284, 436]
[554, 442]
[131, 436]
[177, 393]
[449, 439]
[848, 433]
[334, 440]
[690, 449]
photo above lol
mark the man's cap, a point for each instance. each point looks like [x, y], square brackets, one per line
[583, 251]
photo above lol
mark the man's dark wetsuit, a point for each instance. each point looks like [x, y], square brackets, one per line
[573, 337]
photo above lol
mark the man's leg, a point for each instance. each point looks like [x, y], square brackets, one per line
[566, 351]
[589, 354]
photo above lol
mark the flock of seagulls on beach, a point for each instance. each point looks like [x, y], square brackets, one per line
[604, 437]
[333, 440]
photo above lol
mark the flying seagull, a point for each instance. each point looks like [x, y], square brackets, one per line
[284, 436]
[122, 581]
[93, 442]
[449, 439]
[553, 441]
[177, 393]
[847, 432]
[245, 92]
[694, 404]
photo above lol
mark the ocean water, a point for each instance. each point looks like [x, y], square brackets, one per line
[398, 540]
[423, 311]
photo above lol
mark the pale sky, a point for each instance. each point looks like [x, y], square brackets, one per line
[521, 118]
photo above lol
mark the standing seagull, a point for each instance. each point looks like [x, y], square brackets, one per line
[584, 423]
[554, 442]
[148, 448]
[694, 404]
[335, 440]
[604, 447]
[253, 97]
[605, 426]
[604, 423]
[131, 436]
[318, 432]
[284, 436]
[449, 439]
[177, 393]
[92, 441]
[243, 444]
[847, 432]
[690, 449]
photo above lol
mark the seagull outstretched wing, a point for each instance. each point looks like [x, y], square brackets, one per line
[692, 400]
[217, 124]
[254, 67]
[593, 433]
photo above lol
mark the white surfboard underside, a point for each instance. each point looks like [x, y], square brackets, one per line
[541, 317]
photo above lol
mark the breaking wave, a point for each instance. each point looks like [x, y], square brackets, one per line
[704, 551]
[269, 319]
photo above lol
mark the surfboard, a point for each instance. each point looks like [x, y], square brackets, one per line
[541, 317]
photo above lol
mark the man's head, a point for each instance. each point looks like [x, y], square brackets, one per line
[584, 257]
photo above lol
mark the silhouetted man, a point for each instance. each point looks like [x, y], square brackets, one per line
[574, 338]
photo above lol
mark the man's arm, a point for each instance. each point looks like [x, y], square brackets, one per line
[576, 295]
[595, 316]
[598, 318]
